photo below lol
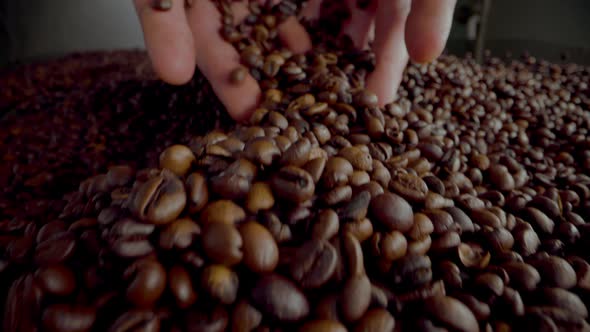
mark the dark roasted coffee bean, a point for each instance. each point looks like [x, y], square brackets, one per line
[56, 279]
[245, 317]
[323, 325]
[222, 211]
[392, 211]
[357, 208]
[221, 283]
[56, 249]
[24, 295]
[391, 246]
[197, 192]
[180, 234]
[326, 225]
[410, 187]
[314, 263]
[336, 172]
[177, 158]
[181, 286]
[222, 243]
[356, 298]
[561, 298]
[136, 320]
[261, 253]
[147, 281]
[62, 317]
[159, 200]
[376, 320]
[452, 313]
[293, 184]
[555, 272]
[481, 310]
[280, 298]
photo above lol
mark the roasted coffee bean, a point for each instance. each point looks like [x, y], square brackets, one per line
[337, 172]
[391, 246]
[134, 320]
[62, 317]
[356, 298]
[561, 298]
[222, 211]
[361, 229]
[314, 263]
[338, 195]
[180, 234]
[24, 295]
[280, 298]
[56, 249]
[392, 211]
[376, 320]
[245, 317]
[147, 281]
[197, 192]
[213, 318]
[159, 200]
[412, 270]
[181, 285]
[261, 253]
[556, 272]
[293, 184]
[357, 208]
[409, 186]
[222, 243]
[481, 310]
[221, 283]
[326, 225]
[177, 158]
[451, 312]
[323, 325]
[56, 279]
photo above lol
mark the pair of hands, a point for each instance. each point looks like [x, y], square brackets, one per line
[182, 38]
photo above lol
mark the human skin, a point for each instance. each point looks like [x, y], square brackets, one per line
[182, 39]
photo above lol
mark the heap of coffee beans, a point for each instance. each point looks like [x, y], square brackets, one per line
[460, 207]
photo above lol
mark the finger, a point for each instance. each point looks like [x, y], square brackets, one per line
[169, 41]
[311, 9]
[294, 35]
[390, 49]
[217, 59]
[428, 28]
[360, 22]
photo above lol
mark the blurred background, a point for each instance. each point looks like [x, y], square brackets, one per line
[556, 30]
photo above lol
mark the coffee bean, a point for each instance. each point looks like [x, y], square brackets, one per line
[314, 263]
[211, 318]
[222, 211]
[391, 246]
[147, 281]
[326, 225]
[539, 220]
[392, 211]
[245, 317]
[280, 298]
[376, 320]
[293, 184]
[356, 297]
[338, 195]
[501, 177]
[177, 158]
[297, 154]
[473, 255]
[181, 285]
[159, 200]
[197, 192]
[561, 298]
[441, 221]
[222, 243]
[24, 295]
[261, 253]
[556, 272]
[452, 313]
[136, 319]
[336, 172]
[56, 279]
[221, 283]
[361, 229]
[180, 234]
[238, 75]
[323, 325]
[62, 317]
[357, 208]
[481, 310]
[56, 249]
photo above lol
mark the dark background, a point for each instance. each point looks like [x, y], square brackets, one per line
[37, 29]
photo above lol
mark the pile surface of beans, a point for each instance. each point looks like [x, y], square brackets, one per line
[460, 207]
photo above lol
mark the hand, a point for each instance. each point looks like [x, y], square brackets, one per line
[181, 38]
